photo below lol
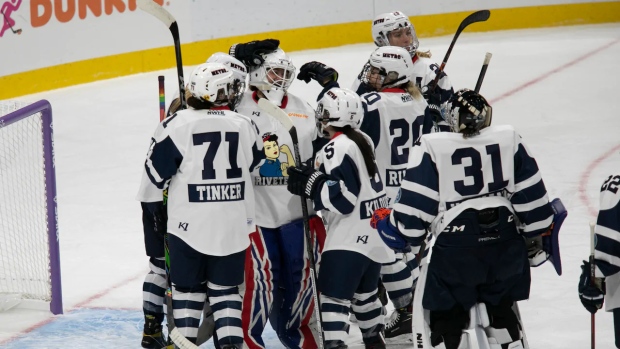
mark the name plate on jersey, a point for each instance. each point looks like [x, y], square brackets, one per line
[368, 207]
[394, 177]
[216, 192]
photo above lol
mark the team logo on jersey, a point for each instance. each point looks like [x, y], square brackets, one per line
[368, 207]
[273, 170]
[216, 192]
[362, 238]
[406, 98]
[297, 115]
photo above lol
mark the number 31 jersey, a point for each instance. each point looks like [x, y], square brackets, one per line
[446, 170]
[206, 157]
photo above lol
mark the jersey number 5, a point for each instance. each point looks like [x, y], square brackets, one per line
[214, 139]
[475, 170]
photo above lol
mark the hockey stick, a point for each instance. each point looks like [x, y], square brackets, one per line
[166, 18]
[479, 16]
[162, 98]
[15, 31]
[483, 71]
[285, 120]
[592, 275]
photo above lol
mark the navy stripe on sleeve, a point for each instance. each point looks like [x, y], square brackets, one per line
[371, 124]
[165, 160]
[424, 174]
[525, 165]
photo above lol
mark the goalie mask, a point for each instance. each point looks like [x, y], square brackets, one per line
[215, 83]
[469, 112]
[339, 107]
[404, 32]
[388, 66]
[274, 76]
[238, 68]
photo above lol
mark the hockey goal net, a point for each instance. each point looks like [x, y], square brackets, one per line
[29, 255]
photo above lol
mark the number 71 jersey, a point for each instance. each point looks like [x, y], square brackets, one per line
[205, 157]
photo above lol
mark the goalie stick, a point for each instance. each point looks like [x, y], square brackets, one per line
[285, 120]
[165, 17]
[478, 16]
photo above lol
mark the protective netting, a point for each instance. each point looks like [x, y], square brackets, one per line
[24, 252]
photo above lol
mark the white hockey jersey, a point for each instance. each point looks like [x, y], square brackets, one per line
[348, 200]
[275, 206]
[607, 248]
[446, 170]
[394, 120]
[205, 157]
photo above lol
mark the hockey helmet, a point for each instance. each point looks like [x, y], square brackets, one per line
[468, 112]
[215, 83]
[339, 107]
[385, 23]
[388, 66]
[274, 76]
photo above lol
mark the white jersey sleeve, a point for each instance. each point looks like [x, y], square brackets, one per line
[348, 198]
[607, 249]
[206, 156]
[394, 120]
[148, 192]
[446, 170]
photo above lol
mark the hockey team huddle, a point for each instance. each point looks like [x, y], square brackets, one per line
[247, 220]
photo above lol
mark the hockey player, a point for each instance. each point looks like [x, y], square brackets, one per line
[344, 183]
[154, 217]
[277, 279]
[395, 116]
[479, 191]
[209, 182]
[605, 286]
[395, 29]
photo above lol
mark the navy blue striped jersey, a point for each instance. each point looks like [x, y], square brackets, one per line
[348, 199]
[394, 120]
[205, 158]
[607, 248]
[446, 170]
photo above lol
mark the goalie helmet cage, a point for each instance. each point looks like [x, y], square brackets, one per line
[29, 249]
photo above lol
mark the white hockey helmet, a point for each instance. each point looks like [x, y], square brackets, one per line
[339, 107]
[469, 112]
[238, 68]
[394, 67]
[215, 83]
[386, 22]
[274, 76]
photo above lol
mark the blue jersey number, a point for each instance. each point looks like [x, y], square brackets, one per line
[214, 139]
[475, 170]
[400, 152]
[611, 184]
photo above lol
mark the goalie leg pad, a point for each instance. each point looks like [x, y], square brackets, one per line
[447, 327]
[504, 330]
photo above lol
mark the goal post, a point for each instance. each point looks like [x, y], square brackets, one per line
[29, 246]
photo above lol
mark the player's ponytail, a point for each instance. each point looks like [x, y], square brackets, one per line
[367, 151]
[197, 103]
[413, 90]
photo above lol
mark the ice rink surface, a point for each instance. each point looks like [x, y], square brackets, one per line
[557, 87]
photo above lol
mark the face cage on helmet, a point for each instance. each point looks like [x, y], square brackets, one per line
[415, 43]
[278, 75]
[323, 119]
[234, 96]
[455, 118]
[382, 76]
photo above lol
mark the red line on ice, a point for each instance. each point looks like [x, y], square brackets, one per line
[585, 176]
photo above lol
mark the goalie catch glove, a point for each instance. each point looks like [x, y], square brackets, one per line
[304, 180]
[591, 291]
[389, 234]
[250, 53]
[317, 71]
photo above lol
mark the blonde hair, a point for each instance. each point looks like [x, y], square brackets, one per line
[413, 90]
[423, 54]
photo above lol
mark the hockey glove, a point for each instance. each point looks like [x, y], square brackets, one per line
[389, 234]
[317, 71]
[160, 216]
[432, 97]
[591, 292]
[250, 53]
[304, 180]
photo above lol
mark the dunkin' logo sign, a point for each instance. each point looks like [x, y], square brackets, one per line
[41, 11]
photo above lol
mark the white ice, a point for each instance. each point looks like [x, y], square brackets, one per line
[557, 87]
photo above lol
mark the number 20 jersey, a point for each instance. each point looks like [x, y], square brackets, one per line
[446, 170]
[394, 121]
[206, 157]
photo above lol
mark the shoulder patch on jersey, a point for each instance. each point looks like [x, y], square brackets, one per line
[330, 182]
